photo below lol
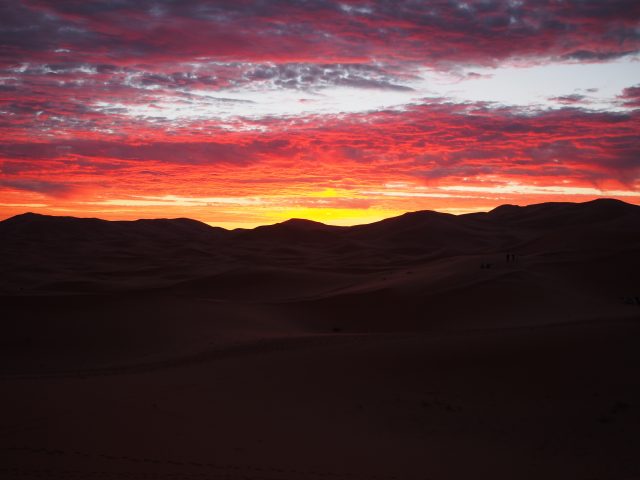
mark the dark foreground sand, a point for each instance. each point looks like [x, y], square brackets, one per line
[296, 353]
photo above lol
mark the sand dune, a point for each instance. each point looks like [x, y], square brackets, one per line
[410, 348]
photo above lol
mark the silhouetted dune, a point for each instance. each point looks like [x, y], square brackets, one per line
[552, 215]
[292, 231]
[429, 232]
[35, 227]
[501, 342]
[47, 253]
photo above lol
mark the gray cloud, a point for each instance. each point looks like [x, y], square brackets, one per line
[314, 76]
[167, 152]
[569, 99]
[631, 96]
[40, 186]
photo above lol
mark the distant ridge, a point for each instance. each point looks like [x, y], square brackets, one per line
[593, 209]
[524, 228]
[562, 212]
[45, 226]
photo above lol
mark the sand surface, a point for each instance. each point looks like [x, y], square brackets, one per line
[169, 349]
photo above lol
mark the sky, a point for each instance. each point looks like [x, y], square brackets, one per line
[245, 113]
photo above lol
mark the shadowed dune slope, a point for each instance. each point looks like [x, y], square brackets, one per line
[42, 254]
[425, 271]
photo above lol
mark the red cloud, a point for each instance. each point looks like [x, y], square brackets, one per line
[631, 96]
[436, 33]
[430, 143]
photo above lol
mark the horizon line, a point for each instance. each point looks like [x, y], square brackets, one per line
[210, 224]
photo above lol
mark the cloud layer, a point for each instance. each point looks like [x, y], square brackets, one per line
[438, 32]
[119, 107]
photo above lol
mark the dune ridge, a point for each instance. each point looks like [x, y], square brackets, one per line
[119, 255]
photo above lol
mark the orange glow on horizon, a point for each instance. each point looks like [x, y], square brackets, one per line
[329, 206]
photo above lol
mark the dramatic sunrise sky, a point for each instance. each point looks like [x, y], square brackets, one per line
[243, 113]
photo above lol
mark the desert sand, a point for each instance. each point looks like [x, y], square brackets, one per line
[498, 345]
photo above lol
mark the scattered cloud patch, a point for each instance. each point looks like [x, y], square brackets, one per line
[45, 187]
[572, 99]
[631, 96]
